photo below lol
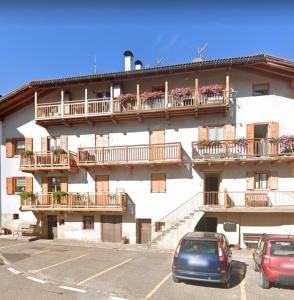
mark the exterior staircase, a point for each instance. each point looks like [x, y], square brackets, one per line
[171, 228]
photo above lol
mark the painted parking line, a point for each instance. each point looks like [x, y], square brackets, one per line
[4, 247]
[13, 271]
[72, 289]
[242, 290]
[60, 263]
[157, 287]
[36, 279]
[103, 272]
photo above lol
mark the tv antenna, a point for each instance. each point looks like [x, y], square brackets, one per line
[159, 61]
[95, 64]
[201, 52]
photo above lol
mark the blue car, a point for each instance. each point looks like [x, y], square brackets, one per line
[203, 256]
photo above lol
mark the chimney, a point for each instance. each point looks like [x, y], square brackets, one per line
[138, 64]
[128, 60]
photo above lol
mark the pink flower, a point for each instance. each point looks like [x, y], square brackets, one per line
[151, 95]
[212, 88]
[182, 92]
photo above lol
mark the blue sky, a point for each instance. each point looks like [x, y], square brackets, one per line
[50, 39]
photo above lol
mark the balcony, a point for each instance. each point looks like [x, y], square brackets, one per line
[112, 202]
[241, 151]
[108, 109]
[249, 201]
[170, 153]
[50, 160]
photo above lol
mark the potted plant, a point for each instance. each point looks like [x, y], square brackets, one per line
[58, 195]
[125, 240]
[242, 142]
[286, 143]
[152, 99]
[30, 196]
[127, 101]
[182, 95]
[274, 140]
[26, 154]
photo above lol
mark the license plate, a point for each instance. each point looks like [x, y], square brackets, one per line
[287, 265]
[197, 262]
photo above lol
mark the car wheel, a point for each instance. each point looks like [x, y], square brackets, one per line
[175, 279]
[264, 283]
[227, 284]
[255, 267]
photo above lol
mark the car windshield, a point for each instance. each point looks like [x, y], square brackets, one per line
[282, 248]
[199, 247]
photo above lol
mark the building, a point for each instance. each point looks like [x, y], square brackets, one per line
[147, 154]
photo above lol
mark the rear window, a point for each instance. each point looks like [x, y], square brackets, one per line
[282, 248]
[199, 247]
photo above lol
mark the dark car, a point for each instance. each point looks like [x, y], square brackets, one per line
[203, 256]
[274, 259]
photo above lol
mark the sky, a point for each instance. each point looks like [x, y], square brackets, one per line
[53, 39]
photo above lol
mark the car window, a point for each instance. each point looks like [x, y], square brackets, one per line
[199, 247]
[282, 248]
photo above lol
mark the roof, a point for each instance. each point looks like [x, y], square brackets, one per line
[270, 65]
[202, 235]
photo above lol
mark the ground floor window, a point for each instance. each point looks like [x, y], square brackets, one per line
[88, 222]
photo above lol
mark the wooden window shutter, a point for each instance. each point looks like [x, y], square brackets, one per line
[44, 144]
[9, 148]
[29, 184]
[158, 183]
[44, 185]
[28, 144]
[63, 142]
[273, 181]
[273, 129]
[250, 136]
[229, 132]
[202, 133]
[9, 186]
[250, 181]
[64, 184]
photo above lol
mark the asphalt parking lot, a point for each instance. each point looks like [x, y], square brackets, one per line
[60, 270]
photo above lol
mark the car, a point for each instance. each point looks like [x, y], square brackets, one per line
[203, 256]
[274, 259]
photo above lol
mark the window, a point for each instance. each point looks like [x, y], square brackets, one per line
[54, 184]
[19, 146]
[54, 143]
[15, 216]
[88, 222]
[19, 184]
[260, 89]
[215, 133]
[158, 183]
[261, 181]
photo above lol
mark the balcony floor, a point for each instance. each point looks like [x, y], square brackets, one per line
[49, 169]
[273, 209]
[44, 208]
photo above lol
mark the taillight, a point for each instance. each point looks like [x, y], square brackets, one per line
[220, 251]
[178, 249]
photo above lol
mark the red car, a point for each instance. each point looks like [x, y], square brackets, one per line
[274, 259]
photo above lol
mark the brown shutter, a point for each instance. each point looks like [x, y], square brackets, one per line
[157, 137]
[102, 184]
[9, 148]
[9, 186]
[158, 183]
[44, 185]
[44, 144]
[202, 133]
[29, 184]
[250, 137]
[64, 184]
[273, 181]
[229, 132]
[250, 181]
[63, 142]
[28, 144]
[273, 129]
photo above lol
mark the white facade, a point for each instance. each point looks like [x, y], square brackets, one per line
[182, 182]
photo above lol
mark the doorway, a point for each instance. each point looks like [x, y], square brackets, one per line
[102, 190]
[111, 228]
[156, 141]
[143, 231]
[211, 187]
[207, 225]
[52, 227]
[260, 136]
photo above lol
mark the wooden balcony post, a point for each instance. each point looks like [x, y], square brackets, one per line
[51, 158]
[111, 98]
[227, 94]
[127, 153]
[226, 204]
[138, 96]
[86, 101]
[62, 103]
[36, 104]
[196, 92]
[166, 93]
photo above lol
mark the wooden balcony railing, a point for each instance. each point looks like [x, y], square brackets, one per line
[213, 98]
[76, 201]
[234, 149]
[135, 154]
[49, 160]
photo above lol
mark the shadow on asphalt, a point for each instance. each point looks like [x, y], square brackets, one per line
[238, 273]
[15, 257]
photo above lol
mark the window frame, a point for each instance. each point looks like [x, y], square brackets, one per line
[14, 179]
[55, 139]
[254, 85]
[88, 225]
[16, 151]
[216, 132]
[267, 180]
[55, 189]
